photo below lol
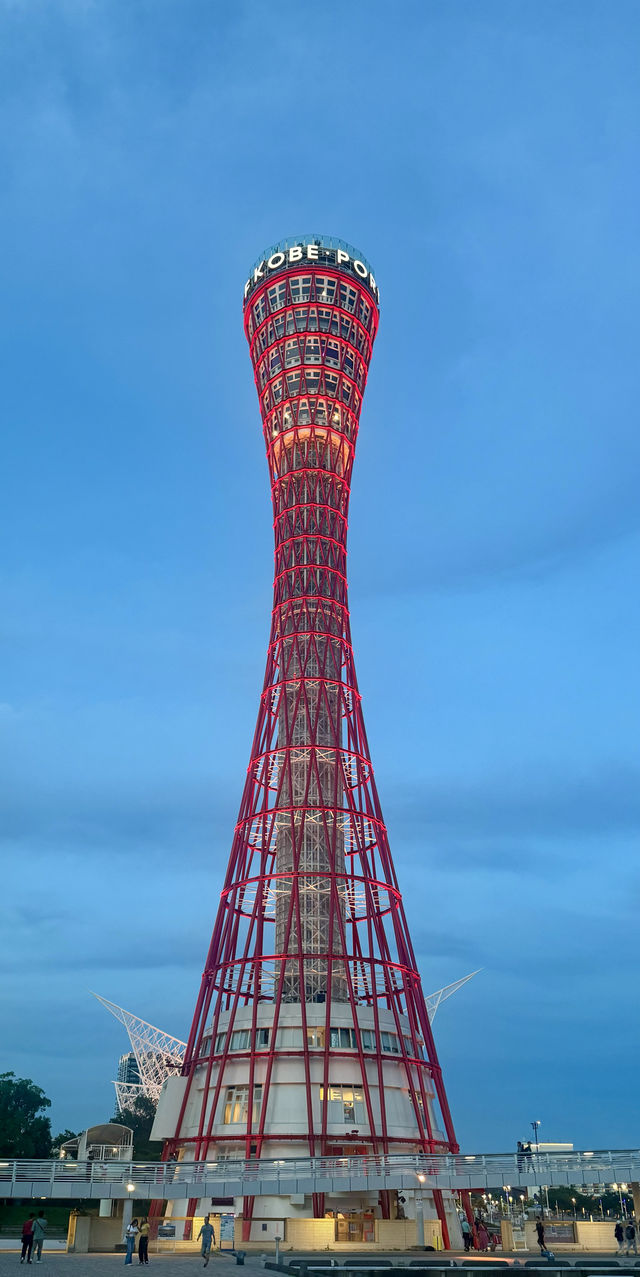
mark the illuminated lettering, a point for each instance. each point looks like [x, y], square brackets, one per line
[311, 253]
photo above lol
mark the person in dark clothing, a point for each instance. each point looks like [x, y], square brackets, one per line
[143, 1241]
[467, 1235]
[27, 1240]
[208, 1239]
[39, 1234]
[540, 1233]
[618, 1233]
[630, 1238]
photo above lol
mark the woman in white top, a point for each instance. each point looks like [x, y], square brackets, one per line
[131, 1232]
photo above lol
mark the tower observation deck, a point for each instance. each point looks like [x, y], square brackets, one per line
[311, 1029]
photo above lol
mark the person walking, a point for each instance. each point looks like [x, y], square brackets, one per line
[143, 1242]
[208, 1239]
[540, 1234]
[27, 1240]
[39, 1234]
[630, 1238]
[618, 1233]
[467, 1235]
[483, 1236]
[131, 1232]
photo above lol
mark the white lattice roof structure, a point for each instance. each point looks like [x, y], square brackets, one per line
[433, 1000]
[157, 1053]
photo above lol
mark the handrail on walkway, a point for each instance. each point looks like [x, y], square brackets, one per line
[261, 1174]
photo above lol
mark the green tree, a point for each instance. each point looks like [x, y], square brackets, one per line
[24, 1129]
[140, 1118]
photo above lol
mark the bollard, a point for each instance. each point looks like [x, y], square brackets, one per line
[277, 1241]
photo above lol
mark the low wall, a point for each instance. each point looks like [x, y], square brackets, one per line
[581, 1235]
[319, 1234]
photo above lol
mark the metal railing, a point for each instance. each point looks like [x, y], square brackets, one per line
[262, 1175]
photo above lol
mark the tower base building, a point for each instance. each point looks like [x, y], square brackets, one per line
[311, 1036]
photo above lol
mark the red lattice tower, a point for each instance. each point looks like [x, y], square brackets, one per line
[311, 1015]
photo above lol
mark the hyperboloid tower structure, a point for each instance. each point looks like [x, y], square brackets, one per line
[311, 1034]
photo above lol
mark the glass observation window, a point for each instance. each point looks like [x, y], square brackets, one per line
[277, 296]
[289, 1037]
[312, 352]
[325, 289]
[346, 1103]
[348, 297]
[236, 1105]
[300, 287]
[291, 353]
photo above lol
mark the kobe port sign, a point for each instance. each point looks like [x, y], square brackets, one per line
[310, 253]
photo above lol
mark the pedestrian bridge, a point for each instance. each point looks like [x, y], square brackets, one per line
[63, 1178]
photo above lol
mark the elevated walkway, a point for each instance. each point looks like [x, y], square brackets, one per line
[62, 1178]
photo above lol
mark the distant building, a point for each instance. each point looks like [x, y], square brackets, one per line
[128, 1072]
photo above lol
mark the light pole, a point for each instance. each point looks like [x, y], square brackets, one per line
[535, 1126]
[620, 1188]
[507, 1189]
[420, 1214]
[574, 1209]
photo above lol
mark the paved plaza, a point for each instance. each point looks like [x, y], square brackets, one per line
[59, 1264]
[62, 1265]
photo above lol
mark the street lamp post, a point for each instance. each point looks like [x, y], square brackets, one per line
[420, 1214]
[535, 1126]
[620, 1188]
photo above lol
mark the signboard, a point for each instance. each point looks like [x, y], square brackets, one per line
[227, 1223]
[299, 253]
[558, 1232]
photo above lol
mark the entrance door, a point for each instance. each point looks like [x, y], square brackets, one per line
[349, 1228]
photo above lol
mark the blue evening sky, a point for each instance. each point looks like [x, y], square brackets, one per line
[484, 155]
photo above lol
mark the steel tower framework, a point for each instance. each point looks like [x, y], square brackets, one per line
[311, 914]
